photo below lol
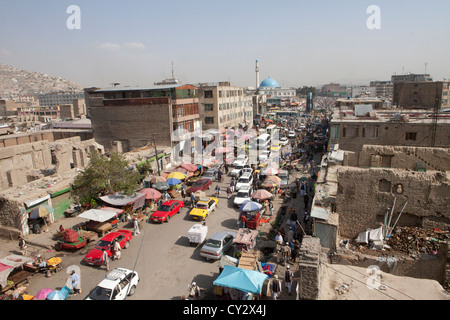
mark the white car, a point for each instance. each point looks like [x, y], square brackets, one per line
[237, 171]
[244, 194]
[118, 284]
[264, 156]
[245, 180]
[291, 134]
[284, 141]
[240, 161]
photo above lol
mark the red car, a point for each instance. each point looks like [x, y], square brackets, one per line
[201, 184]
[167, 210]
[95, 256]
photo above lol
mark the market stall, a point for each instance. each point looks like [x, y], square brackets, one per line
[12, 272]
[100, 221]
[240, 281]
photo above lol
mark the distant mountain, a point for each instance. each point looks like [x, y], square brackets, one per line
[14, 82]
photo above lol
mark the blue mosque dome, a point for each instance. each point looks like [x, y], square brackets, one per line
[269, 82]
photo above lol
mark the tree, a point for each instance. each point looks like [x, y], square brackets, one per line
[304, 91]
[104, 175]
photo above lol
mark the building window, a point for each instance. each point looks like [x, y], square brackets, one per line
[208, 94]
[411, 136]
[209, 107]
[209, 120]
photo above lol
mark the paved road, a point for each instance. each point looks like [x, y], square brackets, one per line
[161, 254]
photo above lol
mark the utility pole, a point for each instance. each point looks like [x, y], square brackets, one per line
[156, 154]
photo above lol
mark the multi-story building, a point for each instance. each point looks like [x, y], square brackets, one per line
[223, 105]
[422, 95]
[389, 128]
[410, 77]
[38, 113]
[58, 98]
[383, 89]
[363, 91]
[376, 103]
[131, 117]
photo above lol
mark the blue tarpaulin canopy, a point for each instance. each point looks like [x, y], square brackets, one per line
[241, 279]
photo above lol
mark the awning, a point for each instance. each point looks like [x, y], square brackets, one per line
[241, 279]
[120, 200]
[7, 265]
[98, 215]
[319, 213]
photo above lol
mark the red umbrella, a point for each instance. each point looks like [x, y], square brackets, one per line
[151, 194]
[262, 194]
[189, 167]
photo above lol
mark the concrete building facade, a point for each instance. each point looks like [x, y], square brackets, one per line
[223, 105]
[422, 95]
[124, 119]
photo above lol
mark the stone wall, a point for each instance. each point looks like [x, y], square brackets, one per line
[309, 269]
[364, 196]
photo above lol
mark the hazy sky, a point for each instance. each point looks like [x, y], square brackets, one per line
[297, 42]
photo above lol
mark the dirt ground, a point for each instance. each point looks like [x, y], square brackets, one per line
[343, 282]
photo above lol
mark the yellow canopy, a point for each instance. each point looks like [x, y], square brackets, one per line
[176, 175]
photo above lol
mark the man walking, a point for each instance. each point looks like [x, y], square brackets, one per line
[75, 282]
[288, 275]
[276, 288]
[22, 246]
[105, 258]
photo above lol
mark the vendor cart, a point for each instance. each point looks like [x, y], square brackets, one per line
[197, 234]
[71, 240]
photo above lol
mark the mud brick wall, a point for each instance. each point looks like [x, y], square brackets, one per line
[364, 196]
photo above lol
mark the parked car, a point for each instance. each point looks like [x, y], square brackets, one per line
[237, 171]
[199, 185]
[284, 141]
[240, 161]
[244, 194]
[167, 210]
[95, 256]
[203, 208]
[217, 245]
[246, 180]
[291, 134]
[212, 174]
[264, 156]
[117, 285]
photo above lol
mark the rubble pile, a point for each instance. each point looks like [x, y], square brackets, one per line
[414, 240]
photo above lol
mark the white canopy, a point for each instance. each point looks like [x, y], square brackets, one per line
[98, 215]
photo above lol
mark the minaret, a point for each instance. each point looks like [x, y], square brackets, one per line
[257, 73]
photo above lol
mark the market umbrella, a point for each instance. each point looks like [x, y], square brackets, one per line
[223, 150]
[262, 194]
[151, 194]
[271, 182]
[42, 294]
[59, 294]
[157, 179]
[173, 181]
[41, 211]
[249, 206]
[189, 167]
[176, 175]
[241, 279]
[161, 186]
[271, 171]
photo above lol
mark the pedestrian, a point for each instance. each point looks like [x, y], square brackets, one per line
[243, 220]
[105, 258]
[276, 288]
[75, 278]
[288, 275]
[136, 226]
[229, 192]
[23, 246]
[306, 217]
[219, 175]
[183, 193]
[232, 184]
[271, 208]
[192, 200]
[306, 200]
[286, 253]
[293, 216]
[217, 191]
[194, 291]
[302, 189]
[117, 248]
[295, 251]
[226, 168]
[279, 240]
